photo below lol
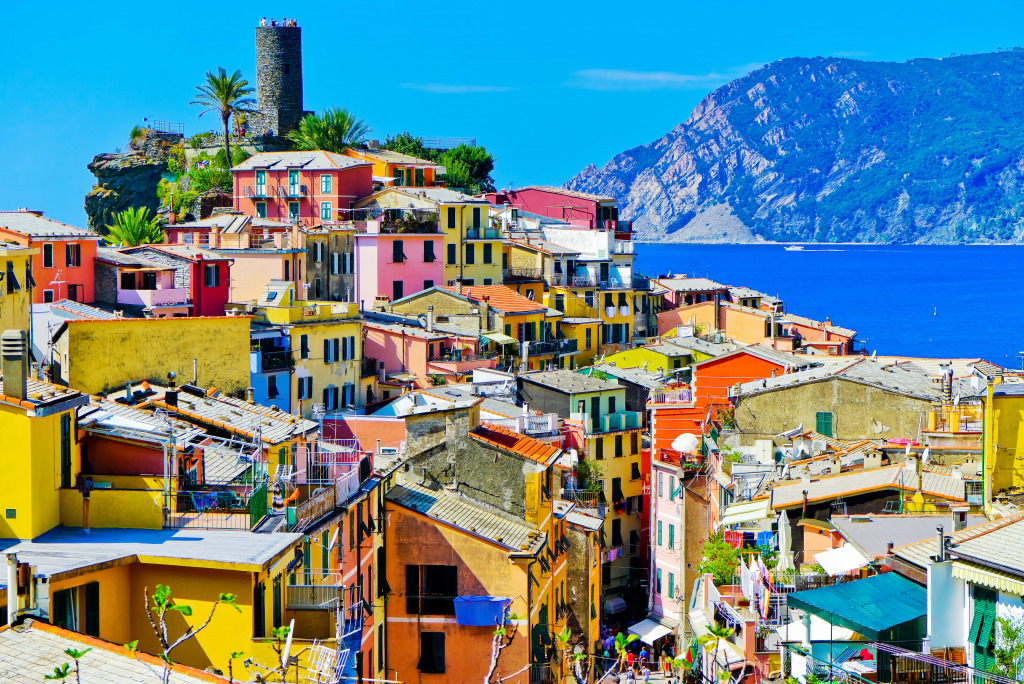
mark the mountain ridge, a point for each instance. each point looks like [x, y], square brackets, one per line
[836, 150]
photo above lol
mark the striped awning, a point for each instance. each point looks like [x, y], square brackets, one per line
[987, 577]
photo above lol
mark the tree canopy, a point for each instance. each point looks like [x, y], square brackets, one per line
[333, 130]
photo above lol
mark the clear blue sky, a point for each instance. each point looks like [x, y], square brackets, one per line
[548, 87]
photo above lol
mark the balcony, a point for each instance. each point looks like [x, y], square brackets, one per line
[270, 359]
[680, 396]
[151, 298]
[315, 508]
[291, 191]
[613, 422]
[483, 234]
[513, 275]
[279, 240]
[640, 283]
[559, 347]
[368, 367]
[611, 283]
[623, 247]
[256, 191]
[529, 425]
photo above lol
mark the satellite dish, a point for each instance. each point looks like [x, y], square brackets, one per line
[685, 442]
[286, 653]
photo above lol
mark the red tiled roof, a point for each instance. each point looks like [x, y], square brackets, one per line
[501, 298]
[516, 443]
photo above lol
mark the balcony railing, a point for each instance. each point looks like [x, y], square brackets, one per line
[148, 298]
[612, 282]
[553, 347]
[512, 275]
[613, 422]
[273, 360]
[255, 191]
[483, 234]
[368, 367]
[315, 508]
[641, 283]
[682, 396]
[313, 596]
[623, 247]
[529, 425]
[271, 241]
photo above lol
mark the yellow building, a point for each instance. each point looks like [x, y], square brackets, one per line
[653, 357]
[505, 319]
[472, 246]
[326, 345]
[16, 287]
[100, 356]
[40, 453]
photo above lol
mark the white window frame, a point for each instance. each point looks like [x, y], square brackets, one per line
[325, 183]
[325, 211]
[335, 263]
[48, 245]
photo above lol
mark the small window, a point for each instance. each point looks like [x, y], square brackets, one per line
[47, 296]
[427, 284]
[74, 254]
[659, 533]
[431, 652]
[397, 253]
[293, 211]
[671, 585]
[272, 392]
[261, 210]
[488, 281]
[470, 254]
[487, 253]
[47, 255]
[304, 346]
[451, 217]
[128, 281]
[599, 448]
[476, 217]
[658, 586]
[325, 211]
[397, 290]
[211, 275]
[325, 183]
[452, 254]
[428, 252]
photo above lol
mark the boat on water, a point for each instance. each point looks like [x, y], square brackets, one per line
[794, 248]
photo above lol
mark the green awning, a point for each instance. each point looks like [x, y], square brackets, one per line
[868, 606]
[500, 338]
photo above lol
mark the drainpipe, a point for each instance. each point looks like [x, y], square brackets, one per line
[12, 587]
[988, 446]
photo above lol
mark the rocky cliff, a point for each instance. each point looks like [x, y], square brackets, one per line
[828, 149]
[122, 181]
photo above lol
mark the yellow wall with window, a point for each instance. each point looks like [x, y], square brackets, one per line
[30, 460]
[14, 306]
[343, 369]
[654, 357]
[457, 222]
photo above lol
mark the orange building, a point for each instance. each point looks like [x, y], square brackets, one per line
[64, 267]
[683, 410]
[401, 170]
[458, 565]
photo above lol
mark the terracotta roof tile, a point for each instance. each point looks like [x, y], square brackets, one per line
[516, 443]
[501, 298]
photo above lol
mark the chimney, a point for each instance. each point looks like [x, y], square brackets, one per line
[872, 459]
[941, 555]
[430, 318]
[12, 586]
[171, 395]
[128, 392]
[381, 371]
[888, 548]
[458, 286]
[959, 517]
[15, 363]
[834, 465]
[525, 366]
[250, 395]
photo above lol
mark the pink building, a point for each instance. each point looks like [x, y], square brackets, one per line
[138, 285]
[406, 349]
[307, 187]
[580, 209]
[204, 274]
[667, 589]
[391, 265]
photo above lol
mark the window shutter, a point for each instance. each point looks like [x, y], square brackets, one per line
[327, 351]
[337, 349]
[412, 589]
[438, 651]
[327, 398]
[334, 404]
[451, 588]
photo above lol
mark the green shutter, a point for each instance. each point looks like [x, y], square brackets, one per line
[823, 423]
[975, 625]
[987, 624]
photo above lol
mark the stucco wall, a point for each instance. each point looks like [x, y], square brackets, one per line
[858, 411]
[103, 355]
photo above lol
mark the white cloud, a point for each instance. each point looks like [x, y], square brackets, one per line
[620, 79]
[454, 89]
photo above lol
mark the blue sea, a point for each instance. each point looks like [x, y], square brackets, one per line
[926, 301]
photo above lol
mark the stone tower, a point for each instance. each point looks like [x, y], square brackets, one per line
[278, 78]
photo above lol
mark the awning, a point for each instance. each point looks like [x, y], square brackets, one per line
[842, 560]
[723, 479]
[649, 630]
[987, 577]
[748, 511]
[614, 605]
[868, 606]
[796, 631]
[500, 338]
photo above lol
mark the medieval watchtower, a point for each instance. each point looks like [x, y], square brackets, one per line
[278, 78]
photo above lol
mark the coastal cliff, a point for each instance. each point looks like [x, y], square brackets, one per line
[836, 150]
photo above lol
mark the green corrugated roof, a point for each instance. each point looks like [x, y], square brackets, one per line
[867, 606]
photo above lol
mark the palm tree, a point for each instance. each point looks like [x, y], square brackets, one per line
[225, 95]
[716, 635]
[334, 130]
[133, 227]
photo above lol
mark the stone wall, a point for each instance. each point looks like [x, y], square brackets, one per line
[278, 79]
